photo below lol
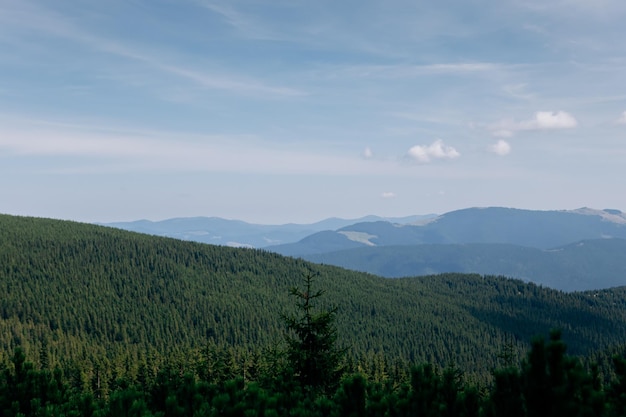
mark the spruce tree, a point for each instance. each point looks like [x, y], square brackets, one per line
[312, 350]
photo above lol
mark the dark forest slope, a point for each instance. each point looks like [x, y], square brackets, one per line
[585, 265]
[90, 290]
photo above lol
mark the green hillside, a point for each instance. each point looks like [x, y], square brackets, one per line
[89, 291]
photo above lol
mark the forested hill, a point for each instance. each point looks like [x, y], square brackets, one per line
[584, 265]
[89, 291]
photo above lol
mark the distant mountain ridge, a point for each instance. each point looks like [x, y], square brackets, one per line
[237, 233]
[531, 228]
[585, 265]
[569, 250]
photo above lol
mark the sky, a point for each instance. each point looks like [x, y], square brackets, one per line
[294, 111]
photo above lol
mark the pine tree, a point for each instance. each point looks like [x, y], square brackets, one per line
[312, 350]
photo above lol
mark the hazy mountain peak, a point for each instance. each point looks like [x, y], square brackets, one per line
[611, 215]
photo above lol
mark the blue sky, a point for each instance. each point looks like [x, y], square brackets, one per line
[294, 111]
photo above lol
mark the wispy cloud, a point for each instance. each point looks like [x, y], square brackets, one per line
[622, 119]
[518, 91]
[39, 20]
[437, 150]
[167, 152]
[231, 83]
[409, 71]
[388, 195]
[244, 24]
[585, 8]
[237, 85]
[543, 120]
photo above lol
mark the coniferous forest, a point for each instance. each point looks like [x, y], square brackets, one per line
[100, 322]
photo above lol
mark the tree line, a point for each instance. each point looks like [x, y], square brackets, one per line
[311, 374]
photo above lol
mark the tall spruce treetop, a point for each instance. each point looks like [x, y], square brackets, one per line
[312, 341]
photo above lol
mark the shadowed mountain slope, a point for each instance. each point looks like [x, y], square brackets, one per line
[585, 265]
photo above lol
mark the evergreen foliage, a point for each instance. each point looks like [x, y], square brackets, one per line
[312, 351]
[548, 382]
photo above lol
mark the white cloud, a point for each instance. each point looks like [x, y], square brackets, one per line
[367, 153]
[543, 120]
[436, 150]
[622, 119]
[388, 194]
[501, 148]
[552, 120]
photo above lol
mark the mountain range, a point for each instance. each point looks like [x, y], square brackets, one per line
[237, 233]
[530, 228]
[569, 250]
